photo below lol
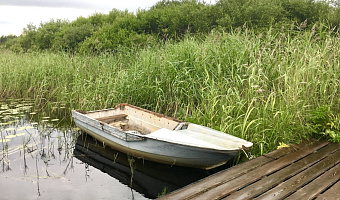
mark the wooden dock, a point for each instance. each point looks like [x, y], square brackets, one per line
[310, 170]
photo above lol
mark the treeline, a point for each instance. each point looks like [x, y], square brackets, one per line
[168, 19]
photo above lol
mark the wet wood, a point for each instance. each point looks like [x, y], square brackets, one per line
[288, 187]
[193, 190]
[307, 170]
[332, 193]
[284, 151]
[112, 118]
[278, 177]
[314, 188]
[258, 173]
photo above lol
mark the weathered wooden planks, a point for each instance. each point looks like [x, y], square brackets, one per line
[319, 184]
[193, 190]
[305, 171]
[332, 193]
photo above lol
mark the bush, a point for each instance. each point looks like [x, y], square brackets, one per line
[70, 38]
[28, 37]
[113, 38]
[323, 122]
[173, 19]
[47, 32]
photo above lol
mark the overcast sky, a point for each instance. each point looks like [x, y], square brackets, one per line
[16, 14]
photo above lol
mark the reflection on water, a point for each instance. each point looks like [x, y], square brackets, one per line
[146, 177]
[36, 157]
[42, 156]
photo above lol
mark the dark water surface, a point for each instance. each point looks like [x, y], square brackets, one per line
[43, 156]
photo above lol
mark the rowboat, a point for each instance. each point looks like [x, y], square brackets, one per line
[155, 137]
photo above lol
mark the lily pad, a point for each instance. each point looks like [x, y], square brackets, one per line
[4, 107]
[20, 134]
[25, 127]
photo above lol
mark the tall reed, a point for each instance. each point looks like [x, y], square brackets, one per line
[260, 87]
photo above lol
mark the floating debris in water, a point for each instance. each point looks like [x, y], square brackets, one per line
[10, 129]
[4, 140]
[54, 120]
[32, 113]
[46, 117]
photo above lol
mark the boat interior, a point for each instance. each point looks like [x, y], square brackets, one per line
[126, 117]
[130, 118]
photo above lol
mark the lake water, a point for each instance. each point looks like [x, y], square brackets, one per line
[43, 156]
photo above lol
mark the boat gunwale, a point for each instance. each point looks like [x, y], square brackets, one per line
[155, 138]
[132, 106]
[160, 139]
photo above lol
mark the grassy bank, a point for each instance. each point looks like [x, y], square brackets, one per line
[266, 88]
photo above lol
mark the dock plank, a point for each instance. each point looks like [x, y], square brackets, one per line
[308, 170]
[332, 194]
[284, 151]
[314, 188]
[276, 178]
[254, 175]
[290, 186]
[217, 179]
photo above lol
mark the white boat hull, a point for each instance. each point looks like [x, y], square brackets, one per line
[158, 148]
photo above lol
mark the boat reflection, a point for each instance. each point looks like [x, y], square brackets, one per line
[149, 178]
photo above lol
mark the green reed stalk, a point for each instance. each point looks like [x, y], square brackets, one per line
[258, 87]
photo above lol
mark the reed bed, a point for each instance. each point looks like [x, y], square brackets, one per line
[260, 87]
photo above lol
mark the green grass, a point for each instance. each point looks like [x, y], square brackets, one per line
[258, 87]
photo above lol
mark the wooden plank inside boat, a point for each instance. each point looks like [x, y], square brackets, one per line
[112, 118]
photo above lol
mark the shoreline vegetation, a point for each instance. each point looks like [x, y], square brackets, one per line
[268, 82]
